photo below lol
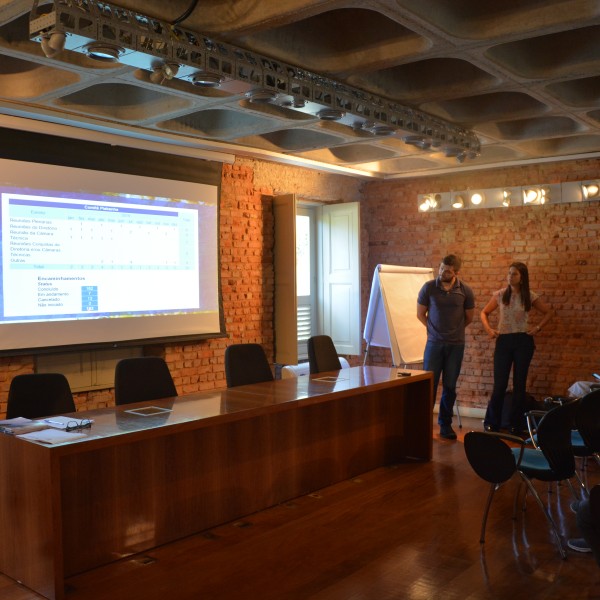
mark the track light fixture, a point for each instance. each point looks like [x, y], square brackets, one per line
[590, 190]
[164, 72]
[430, 202]
[502, 197]
[53, 43]
[477, 198]
[110, 33]
[458, 202]
[207, 80]
[535, 195]
[104, 52]
[530, 195]
[331, 114]
[262, 96]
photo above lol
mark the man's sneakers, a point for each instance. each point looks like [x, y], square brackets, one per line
[447, 432]
[579, 545]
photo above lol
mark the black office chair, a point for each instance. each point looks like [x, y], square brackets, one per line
[492, 459]
[579, 447]
[322, 355]
[141, 379]
[246, 363]
[37, 395]
[587, 422]
[554, 460]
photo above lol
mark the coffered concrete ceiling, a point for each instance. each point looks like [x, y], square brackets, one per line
[523, 75]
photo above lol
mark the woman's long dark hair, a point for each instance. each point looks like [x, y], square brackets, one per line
[525, 293]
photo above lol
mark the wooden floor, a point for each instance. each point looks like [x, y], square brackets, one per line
[407, 532]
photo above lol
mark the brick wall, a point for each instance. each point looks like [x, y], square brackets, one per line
[559, 243]
[246, 243]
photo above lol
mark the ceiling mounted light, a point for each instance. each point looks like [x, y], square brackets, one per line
[104, 52]
[506, 194]
[379, 130]
[590, 189]
[458, 202]
[164, 72]
[262, 96]
[53, 43]
[206, 80]
[417, 140]
[92, 27]
[477, 198]
[452, 151]
[331, 114]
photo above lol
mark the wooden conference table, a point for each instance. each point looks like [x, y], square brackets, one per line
[135, 482]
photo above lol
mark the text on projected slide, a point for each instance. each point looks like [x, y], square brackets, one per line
[79, 257]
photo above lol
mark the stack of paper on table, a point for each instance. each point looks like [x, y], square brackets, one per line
[52, 436]
[20, 425]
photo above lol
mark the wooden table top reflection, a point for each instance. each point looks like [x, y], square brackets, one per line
[203, 409]
[149, 473]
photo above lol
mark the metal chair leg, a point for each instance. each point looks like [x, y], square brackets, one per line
[493, 488]
[457, 413]
[546, 513]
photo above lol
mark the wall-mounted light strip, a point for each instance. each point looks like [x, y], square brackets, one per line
[529, 195]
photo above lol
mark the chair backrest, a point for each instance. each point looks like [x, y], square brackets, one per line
[246, 363]
[38, 395]
[554, 439]
[587, 420]
[322, 355]
[489, 456]
[141, 379]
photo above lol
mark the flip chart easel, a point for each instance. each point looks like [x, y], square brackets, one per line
[392, 314]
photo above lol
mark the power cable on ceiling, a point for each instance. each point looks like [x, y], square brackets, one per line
[191, 8]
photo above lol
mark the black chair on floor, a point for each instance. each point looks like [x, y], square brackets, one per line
[492, 459]
[322, 355]
[141, 379]
[39, 395]
[245, 364]
[554, 460]
[587, 422]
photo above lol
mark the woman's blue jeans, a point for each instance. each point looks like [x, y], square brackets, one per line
[513, 351]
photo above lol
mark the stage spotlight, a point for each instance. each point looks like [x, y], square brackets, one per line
[53, 44]
[506, 194]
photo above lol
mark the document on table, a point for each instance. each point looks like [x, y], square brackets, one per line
[20, 425]
[52, 436]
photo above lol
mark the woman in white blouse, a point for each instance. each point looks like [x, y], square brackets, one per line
[514, 344]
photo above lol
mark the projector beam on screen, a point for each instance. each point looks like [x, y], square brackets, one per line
[93, 258]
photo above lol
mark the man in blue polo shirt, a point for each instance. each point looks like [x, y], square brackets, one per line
[445, 306]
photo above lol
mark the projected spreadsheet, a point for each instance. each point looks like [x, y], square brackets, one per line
[82, 256]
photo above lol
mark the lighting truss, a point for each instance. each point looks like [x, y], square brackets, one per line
[107, 32]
